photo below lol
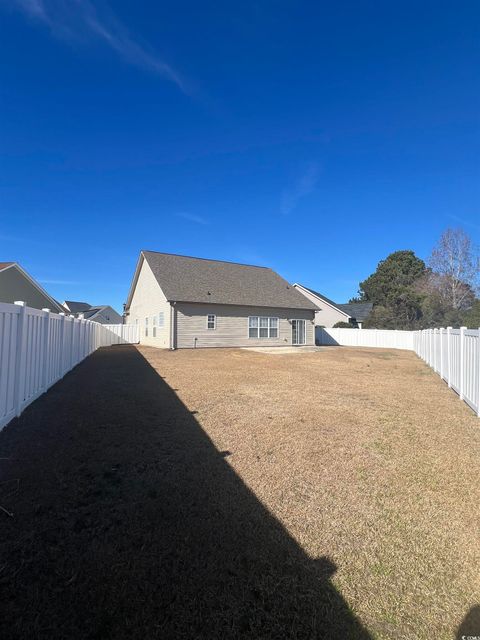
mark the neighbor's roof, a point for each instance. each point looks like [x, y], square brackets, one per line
[357, 310]
[94, 311]
[76, 307]
[187, 279]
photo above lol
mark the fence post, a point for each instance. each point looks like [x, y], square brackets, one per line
[19, 381]
[46, 347]
[72, 342]
[62, 347]
[449, 356]
[462, 361]
[478, 372]
[441, 351]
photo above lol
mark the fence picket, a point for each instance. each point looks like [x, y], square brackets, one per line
[20, 358]
[37, 348]
[478, 372]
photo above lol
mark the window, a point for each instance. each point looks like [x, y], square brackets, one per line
[273, 327]
[262, 327]
[154, 328]
[211, 321]
[253, 327]
[161, 320]
[146, 327]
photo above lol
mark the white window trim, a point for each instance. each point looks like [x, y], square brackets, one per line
[211, 315]
[161, 319]
[269, 337]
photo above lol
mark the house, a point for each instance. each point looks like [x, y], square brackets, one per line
[17, 284]
[184, 302]
[329, 312]
[104, 314]
[75, 307]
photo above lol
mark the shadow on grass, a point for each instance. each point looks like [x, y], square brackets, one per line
[129, 523]
[470, 627]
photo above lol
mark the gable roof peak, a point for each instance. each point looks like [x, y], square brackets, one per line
[180, 255]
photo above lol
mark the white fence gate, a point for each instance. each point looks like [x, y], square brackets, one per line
[37, 348]
[452, 353]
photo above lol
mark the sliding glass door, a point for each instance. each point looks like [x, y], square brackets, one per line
[298, 332]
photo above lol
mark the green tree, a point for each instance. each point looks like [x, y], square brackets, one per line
[393, 291]
[399, 271]
[471, 318]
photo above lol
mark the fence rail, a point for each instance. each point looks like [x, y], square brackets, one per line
[37, 348]
[452, 353]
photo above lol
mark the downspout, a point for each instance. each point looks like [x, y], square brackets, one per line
[172, 326]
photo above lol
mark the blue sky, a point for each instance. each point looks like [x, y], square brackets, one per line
[313, 137]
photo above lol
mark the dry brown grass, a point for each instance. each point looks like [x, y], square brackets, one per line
[212, 493]
[366, 457]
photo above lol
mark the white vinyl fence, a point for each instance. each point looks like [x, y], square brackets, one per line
[37, 348]
[455, 355]
[365, 338]
[452, 353]
[123, 333]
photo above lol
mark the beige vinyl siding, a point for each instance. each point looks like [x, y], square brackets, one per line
[326, 316]
[232, 325]
[148, 300]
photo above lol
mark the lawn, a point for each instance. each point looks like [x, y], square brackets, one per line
[237, 494]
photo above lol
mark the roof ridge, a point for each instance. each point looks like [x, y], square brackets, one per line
[181, 255]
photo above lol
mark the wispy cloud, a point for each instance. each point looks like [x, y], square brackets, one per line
[303, 187]
[464, 222]
[191, 217]
[80, 20]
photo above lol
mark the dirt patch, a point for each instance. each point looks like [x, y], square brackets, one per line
[234, 494]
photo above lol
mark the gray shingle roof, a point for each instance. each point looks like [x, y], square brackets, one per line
[77, 307]
[186, 279]
[89, 313]
[358, 310]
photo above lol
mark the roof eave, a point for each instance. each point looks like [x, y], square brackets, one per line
[244, 304]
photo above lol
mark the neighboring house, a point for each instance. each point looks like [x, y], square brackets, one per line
[183, 302]
[329, 312]
[16, 284]
[76, 307]
[104, 314]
